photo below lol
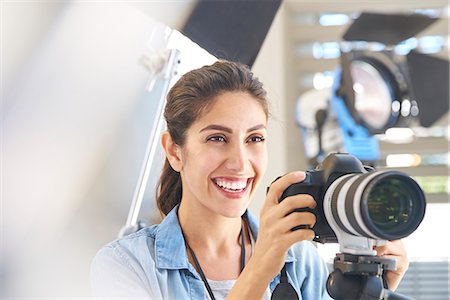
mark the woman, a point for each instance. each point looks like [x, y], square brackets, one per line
[209, 245]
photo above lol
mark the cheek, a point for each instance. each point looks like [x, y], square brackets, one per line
[264, 163]
[202, 161]
[261, 160]
[264, 153]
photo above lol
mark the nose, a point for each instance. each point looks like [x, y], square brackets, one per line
[237, 158]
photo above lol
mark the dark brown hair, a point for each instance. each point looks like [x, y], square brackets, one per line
[187, 100]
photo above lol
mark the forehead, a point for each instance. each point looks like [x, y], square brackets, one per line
[234, 109]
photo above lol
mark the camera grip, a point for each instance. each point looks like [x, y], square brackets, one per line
[303, 187]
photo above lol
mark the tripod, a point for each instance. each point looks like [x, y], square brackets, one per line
[360, 277]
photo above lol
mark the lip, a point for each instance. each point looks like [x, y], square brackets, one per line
[233, 195]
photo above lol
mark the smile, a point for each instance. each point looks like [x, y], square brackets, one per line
[232, 186]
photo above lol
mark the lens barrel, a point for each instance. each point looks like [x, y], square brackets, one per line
[386, 205]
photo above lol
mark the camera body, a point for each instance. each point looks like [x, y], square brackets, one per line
[316, 184]
[357, 206]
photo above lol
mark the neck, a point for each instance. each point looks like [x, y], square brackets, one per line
[207, 231]
[216, 242]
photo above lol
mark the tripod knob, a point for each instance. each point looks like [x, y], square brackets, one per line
[340, 286]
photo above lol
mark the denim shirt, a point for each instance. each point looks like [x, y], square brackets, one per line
[152, 264]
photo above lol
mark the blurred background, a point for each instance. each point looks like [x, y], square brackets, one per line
[77, 112]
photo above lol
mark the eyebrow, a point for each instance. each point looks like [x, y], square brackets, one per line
[229, 130]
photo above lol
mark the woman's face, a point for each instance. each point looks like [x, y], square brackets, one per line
[225, 155]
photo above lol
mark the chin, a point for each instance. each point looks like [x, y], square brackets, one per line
[233, 212]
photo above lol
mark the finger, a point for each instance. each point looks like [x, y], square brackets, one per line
[297, 219]
[381, 250]
[277, 228]
[300, 235]
[396, 248]
[285, 207]
[391, 248]
[292, 203]
[287, 223]
[277, 188]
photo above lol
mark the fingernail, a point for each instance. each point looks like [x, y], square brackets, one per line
[300, 175]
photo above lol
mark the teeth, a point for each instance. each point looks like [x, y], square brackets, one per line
[232, 185]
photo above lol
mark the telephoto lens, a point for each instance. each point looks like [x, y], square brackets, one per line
[357, 200]
[387, 205]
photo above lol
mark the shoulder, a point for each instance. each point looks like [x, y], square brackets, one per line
[128, 252]
[130, 246]
[123, 266]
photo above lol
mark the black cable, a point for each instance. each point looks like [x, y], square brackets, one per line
[200, 271]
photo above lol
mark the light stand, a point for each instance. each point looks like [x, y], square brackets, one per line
[320, 117]
[164, 69]
[360, 277]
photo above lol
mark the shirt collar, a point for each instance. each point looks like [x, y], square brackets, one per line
[170, 249]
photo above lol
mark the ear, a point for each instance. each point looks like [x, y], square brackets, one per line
[172, 150]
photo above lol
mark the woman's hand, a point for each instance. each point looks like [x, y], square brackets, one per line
[394, 249]
[277, 219]
[274, 237]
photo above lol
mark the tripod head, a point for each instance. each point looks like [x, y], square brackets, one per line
[361, 277]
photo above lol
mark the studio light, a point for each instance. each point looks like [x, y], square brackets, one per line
[375, 90]
[378, 87]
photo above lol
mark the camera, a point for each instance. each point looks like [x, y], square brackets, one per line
[357, 205]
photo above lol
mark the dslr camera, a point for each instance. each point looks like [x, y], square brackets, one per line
[359, 207]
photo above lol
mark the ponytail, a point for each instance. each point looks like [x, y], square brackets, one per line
[169, 189]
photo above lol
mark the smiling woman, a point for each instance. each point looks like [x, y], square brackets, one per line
[208, 111]
[208, 243]
[223, 158]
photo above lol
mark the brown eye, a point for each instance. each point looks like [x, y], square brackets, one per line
[217, 138]
[256, 139]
